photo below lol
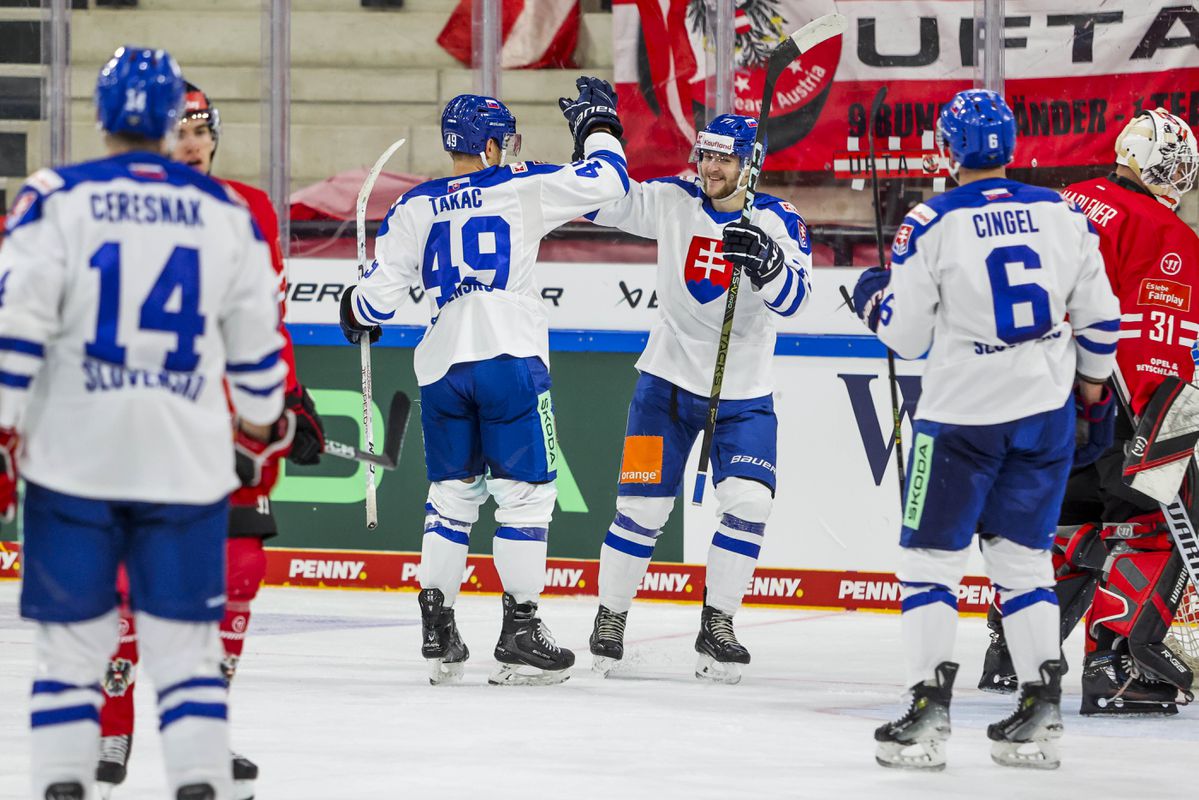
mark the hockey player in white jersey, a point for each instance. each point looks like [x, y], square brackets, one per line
[1005, 283]
[130, 285]
[697, 224]
[470, 241]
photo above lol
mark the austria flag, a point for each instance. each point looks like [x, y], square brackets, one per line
[536, 33]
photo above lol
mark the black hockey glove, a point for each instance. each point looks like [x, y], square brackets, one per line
[309, 441]
[754, 251]
[1095, 428]
[351, 328]
[595, 105]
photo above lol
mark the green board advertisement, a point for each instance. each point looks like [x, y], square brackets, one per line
[322, 506]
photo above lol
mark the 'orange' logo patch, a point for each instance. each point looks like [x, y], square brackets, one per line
[642, 462]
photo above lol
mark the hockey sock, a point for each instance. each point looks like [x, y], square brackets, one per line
[116, 715]
[65, 704]
[624, 557]
[184, 661]
[233, 636]
[929, 626]
[519, 555]
[246, 567]
[731, 560]
[1031, 625]
[443, 553]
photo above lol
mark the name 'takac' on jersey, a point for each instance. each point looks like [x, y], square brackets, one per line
[693, 278]
[1152, 260]
[129, 287]
[985, 275]
[471, 242]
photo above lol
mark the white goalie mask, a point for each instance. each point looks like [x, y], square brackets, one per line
[1160, 148]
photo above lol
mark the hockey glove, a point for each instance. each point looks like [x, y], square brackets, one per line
[868, 300]
[751, 248]
[9, 441]
[595, 105]
[1095, 429]
[351, 328]
[309, 441]
[257, 460]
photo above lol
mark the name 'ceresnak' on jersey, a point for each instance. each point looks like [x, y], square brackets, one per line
[986, 274]
[693, 277]
[471, 242]
[129, 287]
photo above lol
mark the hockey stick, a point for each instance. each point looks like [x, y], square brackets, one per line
[897, 425]
[372, 506]
[818, 30]
[393, 438]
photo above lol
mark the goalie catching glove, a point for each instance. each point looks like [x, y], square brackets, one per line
[257, 460]
[868, 301]
[9, 441]
[595, 105]
[752, 249]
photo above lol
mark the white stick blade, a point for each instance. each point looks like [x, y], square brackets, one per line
[819, 30]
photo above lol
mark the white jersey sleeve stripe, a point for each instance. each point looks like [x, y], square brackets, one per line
[257, 366]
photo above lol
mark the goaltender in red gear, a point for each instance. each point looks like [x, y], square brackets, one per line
[250, 517]
[1116, 562]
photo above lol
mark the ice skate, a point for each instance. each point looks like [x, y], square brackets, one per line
[1028, 738]
[65, 791]
[720, 654]
[196, 791]
[245, 772]
[440, 643]
[607, 640]
[527, 652]
[113, 764]
[1112, 686]
[917, 739]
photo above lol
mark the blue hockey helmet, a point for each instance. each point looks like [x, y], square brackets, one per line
[977, 130]
[470, 120]
[729, 134]
[139, 92]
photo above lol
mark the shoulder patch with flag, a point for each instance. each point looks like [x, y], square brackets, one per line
[996, 194]
[902, 237]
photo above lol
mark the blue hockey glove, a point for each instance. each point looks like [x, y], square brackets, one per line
[868, 296]
[1095, 429]
[595, 105]
[752, 249]
[351, 328]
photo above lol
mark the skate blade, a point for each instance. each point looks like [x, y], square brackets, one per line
[443, 673]
[243, 790]
[927, 755]
[525, 675]
[1103, 707]
[709, 669]
[997, 686]
[105, 790]
[1042, 754]
[603, 665]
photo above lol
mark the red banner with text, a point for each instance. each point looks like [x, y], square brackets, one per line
[1076, 71]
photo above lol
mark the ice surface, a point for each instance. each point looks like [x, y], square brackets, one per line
[332, 701]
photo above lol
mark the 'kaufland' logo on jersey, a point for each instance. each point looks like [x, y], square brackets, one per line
[706, 273]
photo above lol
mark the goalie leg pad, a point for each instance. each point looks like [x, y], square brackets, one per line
[744, 506]
[519, 548]
[450, 511]
[1165, 438]
[928, 587]
[629, 546]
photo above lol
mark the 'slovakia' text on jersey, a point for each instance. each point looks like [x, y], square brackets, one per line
[693, 279]
[1152, 260]
[129, 287]
[986, 274]
[471, 242]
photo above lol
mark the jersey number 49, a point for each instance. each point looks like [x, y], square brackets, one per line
[478, 254]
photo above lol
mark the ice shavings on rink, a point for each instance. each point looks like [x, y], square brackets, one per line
[334, 704]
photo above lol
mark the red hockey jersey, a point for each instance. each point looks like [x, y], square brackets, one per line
[1152, 260]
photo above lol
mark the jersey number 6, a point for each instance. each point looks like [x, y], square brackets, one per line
[1028, 300]
[182, 271]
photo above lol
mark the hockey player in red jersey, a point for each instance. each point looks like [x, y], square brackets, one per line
[1115, 560]
[250, 517]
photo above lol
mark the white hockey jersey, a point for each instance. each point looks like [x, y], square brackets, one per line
[692, 279]
[471, 242]
[129, 286]
[986, 274]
